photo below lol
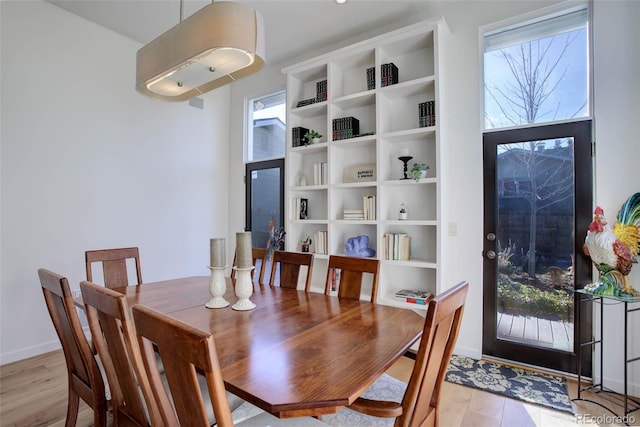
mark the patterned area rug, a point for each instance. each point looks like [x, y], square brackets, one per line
[522, 384]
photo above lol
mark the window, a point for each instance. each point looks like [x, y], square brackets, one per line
[537, 71]
[267, 127]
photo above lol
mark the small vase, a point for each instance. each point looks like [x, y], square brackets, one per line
[301, 180]
[305, 247]
[316, 140]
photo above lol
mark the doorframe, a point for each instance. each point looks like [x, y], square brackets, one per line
[583, 204]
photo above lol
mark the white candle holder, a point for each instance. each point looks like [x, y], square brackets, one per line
[217, 288]
[244, 289]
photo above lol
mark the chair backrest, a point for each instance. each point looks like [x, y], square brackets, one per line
[114, 336]
[84, 374]
[291, 264]
[197, 354]
[257, 254]
[444, 315]
[351, 273]
[114, 265]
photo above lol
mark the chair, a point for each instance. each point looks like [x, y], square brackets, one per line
[257, 254]
[83, 373]
[352, 270]
[197, 357]
[114, 265]
[115, 339]
[290, 266]
[416, 403]
[260, 254]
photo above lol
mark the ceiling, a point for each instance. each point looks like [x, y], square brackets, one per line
[292, 27]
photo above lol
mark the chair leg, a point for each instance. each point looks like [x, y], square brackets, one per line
[100, 415]
[72, 407]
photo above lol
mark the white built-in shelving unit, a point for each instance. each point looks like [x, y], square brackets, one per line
[388, 118]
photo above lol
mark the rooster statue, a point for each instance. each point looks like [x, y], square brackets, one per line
[614, 250]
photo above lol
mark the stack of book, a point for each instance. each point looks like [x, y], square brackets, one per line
[368, 211]
[396, 246]
[427, 114]
[345, 127]
[371, 78]
[353, 214]
[320, 239]
[297, 136]
[306, 102]
[369, 207]
[321, 91]
[320, 173]
[389, 74]
[414, 296]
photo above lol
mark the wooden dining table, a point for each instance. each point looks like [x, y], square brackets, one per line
[297, 353]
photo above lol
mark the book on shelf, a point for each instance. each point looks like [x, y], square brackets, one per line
[396, 246]
[414, 296]
[304, 102]
[369, 207]
[371, 78]
[353, 214]
[388, 74]
[345, 127]
[427, 114]
[297, 136]
[321, 90]
[320, 173]
[320, 239]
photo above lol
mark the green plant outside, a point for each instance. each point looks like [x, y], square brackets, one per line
[520, 298]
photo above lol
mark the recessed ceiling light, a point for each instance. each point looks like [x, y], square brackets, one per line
[341, 1]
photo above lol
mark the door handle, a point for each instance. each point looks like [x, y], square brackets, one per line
[490, 254]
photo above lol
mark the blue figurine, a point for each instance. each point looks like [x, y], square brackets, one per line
[359, 247]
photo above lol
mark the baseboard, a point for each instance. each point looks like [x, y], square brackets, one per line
[36, 350]
[25, 353]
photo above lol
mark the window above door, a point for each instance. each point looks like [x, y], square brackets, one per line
[536, 71]
[266, 127]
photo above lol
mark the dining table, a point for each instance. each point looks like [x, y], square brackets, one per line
[296, 353]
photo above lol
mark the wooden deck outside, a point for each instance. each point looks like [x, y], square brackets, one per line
[533, 330]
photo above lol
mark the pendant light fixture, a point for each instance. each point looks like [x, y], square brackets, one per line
[218, 44]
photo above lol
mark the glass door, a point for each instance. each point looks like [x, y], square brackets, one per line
[265, 200]
[537, 210]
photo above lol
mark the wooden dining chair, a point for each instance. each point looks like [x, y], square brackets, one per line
[290, 264]
[416, 403]
[84, 377]
[352, 271]
[257, 254]
[197, 358]
[116, 341]
[114, 265]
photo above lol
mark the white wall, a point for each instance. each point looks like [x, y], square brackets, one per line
[88, 163]
[617, 109]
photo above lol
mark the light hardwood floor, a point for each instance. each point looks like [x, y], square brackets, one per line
[33, 392]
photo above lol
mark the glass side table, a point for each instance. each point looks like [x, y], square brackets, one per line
[631, 305]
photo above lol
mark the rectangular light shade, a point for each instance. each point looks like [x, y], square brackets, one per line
[218, 44]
